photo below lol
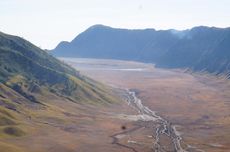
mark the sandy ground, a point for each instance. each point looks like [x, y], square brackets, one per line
[198, 105]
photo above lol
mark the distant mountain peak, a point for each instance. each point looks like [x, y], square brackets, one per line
[98, 26]
[62, 43]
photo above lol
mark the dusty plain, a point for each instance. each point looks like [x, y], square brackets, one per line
[197, 104]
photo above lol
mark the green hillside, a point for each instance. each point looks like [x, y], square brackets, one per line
[27, 67]
[33, 87]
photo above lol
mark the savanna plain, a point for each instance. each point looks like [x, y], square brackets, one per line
[196, 105]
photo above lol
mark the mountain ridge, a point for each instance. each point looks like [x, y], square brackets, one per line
[193, 48]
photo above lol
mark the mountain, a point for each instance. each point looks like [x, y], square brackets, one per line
[22, 61]
[199, 49]
[38, 92]
[105, 42]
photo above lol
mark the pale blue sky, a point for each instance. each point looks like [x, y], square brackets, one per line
[47, 22]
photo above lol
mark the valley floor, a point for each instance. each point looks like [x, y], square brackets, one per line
[198, 106]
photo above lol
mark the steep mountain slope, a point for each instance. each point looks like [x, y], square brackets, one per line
[22, 61]
[196, 48]
[200, 48]
[217, 60]
[38, 92]
[105, 42]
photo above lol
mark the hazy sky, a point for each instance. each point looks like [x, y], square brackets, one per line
[47, 22]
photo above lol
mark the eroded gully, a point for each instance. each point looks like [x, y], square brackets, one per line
[163, 127]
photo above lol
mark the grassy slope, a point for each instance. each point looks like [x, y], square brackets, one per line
[33, 87]
[25, 66]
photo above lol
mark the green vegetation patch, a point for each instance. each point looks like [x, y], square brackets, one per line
[6, 121]
[13, 131]
[5, 112]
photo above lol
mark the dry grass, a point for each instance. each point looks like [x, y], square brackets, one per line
[198, 104]
[58, 125]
